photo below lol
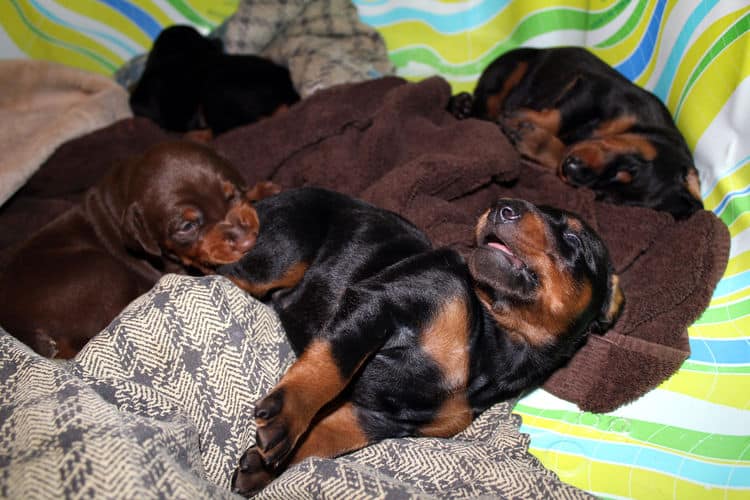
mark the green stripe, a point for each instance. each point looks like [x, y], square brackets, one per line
[736, 207]
[534, 25]
[725, 313]
[626, 28]
[190, 14]
[732, 34]
[81, 50]
[715, 369]
[720, 447]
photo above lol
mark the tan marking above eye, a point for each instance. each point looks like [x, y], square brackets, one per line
[191, 214]
[575, 225]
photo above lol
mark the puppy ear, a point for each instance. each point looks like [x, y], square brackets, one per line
[612, 306]
[263, 189]
[136, 233]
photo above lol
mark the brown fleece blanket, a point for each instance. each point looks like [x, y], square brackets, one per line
[391, 143]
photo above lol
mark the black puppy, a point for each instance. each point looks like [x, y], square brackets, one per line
[567, 109]
[190, 84]
[395, 338]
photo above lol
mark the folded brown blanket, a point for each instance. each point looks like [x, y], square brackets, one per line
[392, 143]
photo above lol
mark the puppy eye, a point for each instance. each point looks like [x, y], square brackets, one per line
[187, 226]
[573, 240]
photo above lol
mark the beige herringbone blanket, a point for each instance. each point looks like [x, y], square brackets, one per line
[160, 404]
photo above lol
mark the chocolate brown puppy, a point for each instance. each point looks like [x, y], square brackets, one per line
[177, 208]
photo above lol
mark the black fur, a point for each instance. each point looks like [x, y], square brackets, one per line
[373, 285]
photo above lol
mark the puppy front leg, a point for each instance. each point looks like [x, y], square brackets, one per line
[322, 371]
[533, 135]
[335, 433]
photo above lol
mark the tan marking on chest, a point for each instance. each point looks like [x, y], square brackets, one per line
[453, 416]
[446, 342]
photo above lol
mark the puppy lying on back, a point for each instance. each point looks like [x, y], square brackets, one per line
[190, 84]
[395, 338]
[567, 109]
[178, 208]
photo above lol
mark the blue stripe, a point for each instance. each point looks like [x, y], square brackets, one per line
[721, 352]
[444, 23]
[707, 191]
[140, 17]
[734, 475]
[728, 197]
[732, 284]
[675, 57]
[130, 51]
[637, 62]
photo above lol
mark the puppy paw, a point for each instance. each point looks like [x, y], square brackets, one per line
[277, 428]
[460, 105]
[251, 474]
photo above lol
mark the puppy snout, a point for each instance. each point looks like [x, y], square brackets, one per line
[240, 238]
[575, 170]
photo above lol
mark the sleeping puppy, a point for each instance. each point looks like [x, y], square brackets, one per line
[567, 109]
[178, 208]
[395, 338]
[190, 84]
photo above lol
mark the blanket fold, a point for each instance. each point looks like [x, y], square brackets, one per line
[393, 144]
[44, 104]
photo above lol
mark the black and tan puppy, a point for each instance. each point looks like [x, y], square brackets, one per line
[567, 109]
[178, 208]
[190, 84]
[395, 338]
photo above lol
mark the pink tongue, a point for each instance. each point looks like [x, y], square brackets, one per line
[499, 246]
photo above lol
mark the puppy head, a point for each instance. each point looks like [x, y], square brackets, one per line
[543, 274]
[187, 203]
[652, 170]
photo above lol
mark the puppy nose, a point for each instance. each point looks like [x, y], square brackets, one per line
[575, 170]
[244, 242]
[508, 212]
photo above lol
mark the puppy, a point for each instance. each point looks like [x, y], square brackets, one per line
[178, 208]
[395, 338]
[567, 109]
[190, 84]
